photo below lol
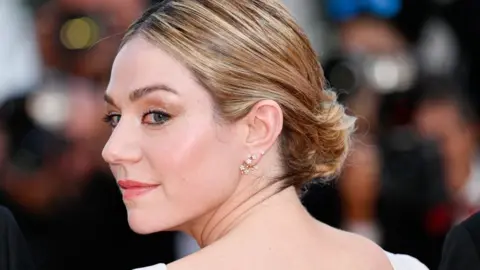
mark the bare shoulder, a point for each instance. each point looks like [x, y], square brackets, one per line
[360, 253]
[329, 249]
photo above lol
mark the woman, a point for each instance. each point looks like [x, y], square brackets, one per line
[219, 114]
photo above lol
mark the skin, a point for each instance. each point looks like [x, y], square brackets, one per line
[442, 122]
[241, 220]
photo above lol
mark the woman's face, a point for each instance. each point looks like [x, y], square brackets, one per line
[165, 136]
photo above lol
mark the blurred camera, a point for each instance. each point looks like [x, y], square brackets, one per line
[33, 125]
[384, 74]
[412, 169]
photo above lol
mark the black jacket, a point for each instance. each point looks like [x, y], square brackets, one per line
[14, 253]
[461, 249]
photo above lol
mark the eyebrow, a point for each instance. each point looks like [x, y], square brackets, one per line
[141, 92]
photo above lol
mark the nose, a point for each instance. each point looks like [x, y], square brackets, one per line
[123, 146]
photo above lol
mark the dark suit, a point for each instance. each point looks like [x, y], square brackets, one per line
[462, 246]
[14, 253]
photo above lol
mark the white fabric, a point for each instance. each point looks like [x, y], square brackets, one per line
[159, 266]
[405, 262]
[367, 229]
[398, 261]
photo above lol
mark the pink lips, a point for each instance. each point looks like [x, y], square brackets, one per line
[131, 189]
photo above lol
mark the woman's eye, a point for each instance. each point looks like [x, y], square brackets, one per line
[112, 119]
[155, 118]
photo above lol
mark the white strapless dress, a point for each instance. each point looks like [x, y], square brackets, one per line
[159, 266]
[398, 261]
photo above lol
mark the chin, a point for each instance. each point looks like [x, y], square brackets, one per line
[138, 228]
[144, 224]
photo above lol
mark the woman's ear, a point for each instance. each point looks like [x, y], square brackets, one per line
[265, 123]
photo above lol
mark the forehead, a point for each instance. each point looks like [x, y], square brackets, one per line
[140, 63]
[440, 115]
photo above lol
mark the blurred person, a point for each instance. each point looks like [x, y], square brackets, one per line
[446, 117]
[412, 207]
[364, 39]
[43, 127]
[392, 183]
[359, 187]
[80, 37]
[178, 95]
[361, 178]
[14, 252]
[375, 41]
[461, 250]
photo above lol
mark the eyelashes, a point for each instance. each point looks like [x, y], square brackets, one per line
[155, 117]
[150, 117]
[112, 119]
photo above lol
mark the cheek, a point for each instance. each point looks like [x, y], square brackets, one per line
[193, 160]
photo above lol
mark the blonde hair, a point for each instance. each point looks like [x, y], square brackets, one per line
[244, 51]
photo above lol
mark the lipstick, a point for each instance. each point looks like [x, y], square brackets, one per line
[131, 189]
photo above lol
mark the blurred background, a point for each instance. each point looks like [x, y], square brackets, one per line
[407, 68]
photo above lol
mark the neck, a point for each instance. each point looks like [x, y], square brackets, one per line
[241, 210]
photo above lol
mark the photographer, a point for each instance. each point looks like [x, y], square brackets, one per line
[447, 117]
[69, 34]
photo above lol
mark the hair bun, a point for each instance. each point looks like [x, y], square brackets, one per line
[334, 129]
